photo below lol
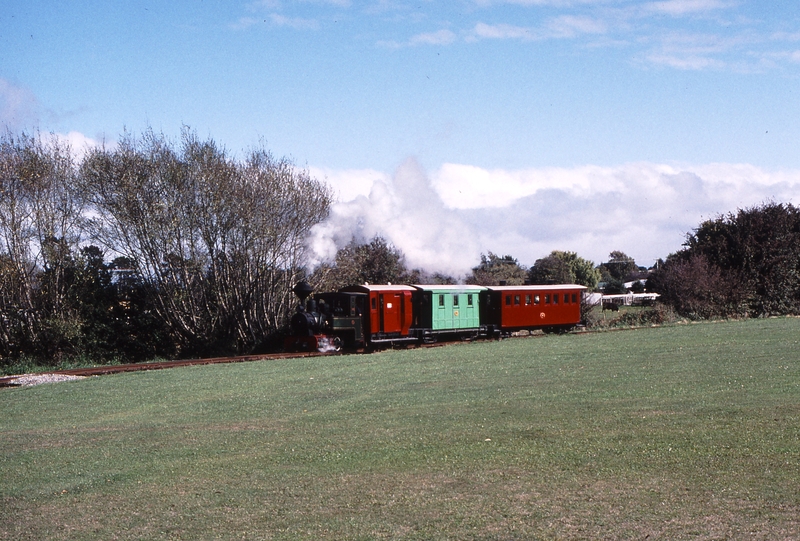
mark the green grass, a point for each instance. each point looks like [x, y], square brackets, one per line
[683, 432]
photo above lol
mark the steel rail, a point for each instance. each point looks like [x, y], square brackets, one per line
[8, 381]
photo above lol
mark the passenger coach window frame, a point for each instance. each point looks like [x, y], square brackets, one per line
[455, 299]
[441, 300]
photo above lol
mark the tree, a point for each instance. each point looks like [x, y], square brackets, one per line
[696, 288]
[748, 262]
[375, 262]
[219, 242]
[40, 228]
[564, 268]
[619, 266]
[494, 269]
[551, 270]
[614, 287]
[761, 246]
[637, 287]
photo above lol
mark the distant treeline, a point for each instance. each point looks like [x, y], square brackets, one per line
[149, 248]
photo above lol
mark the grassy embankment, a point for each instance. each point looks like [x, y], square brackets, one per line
[675, 432]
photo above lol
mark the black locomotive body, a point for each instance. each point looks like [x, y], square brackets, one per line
[326, 321]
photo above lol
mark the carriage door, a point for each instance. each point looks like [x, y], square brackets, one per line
[391, 313]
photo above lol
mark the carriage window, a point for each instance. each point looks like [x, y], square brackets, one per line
[508, 300]
[455, 300]
[536, 299]
[547, 299]
[374, 303]
[566, 298]
[516, 300]
[441, 300]
[555, 298]
[527, 300]
[574, 298]
[469, 300]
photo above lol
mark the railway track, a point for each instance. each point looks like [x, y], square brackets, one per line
[9, 381]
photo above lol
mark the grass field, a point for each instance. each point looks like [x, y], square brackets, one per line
[682, 432]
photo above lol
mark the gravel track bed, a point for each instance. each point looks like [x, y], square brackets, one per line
[27, 380]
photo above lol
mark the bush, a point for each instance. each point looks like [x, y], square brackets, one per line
[657, 315]
[743, 264]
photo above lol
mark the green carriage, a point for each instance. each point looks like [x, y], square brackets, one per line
[446, 310]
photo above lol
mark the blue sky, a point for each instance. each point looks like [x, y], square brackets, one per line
[527, 125]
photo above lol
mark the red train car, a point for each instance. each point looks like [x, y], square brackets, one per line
[547, 307]
[388, 315]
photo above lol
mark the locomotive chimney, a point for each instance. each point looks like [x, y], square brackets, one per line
[303, 290]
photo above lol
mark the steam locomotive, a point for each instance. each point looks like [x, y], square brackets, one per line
[373, 316]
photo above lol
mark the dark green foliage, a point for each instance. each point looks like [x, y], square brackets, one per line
[494, 270]
[745, 264]
[550, 270]
[139, 333]
[376, 262]
[657, 315]
[614, 287]
[696, 288]
[619, 266]
[564, 268]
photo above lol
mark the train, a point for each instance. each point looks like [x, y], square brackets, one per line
[375, 316]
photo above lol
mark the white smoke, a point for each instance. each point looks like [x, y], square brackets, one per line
[407, 212]
[443, 224]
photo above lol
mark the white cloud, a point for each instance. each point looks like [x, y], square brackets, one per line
[293, 22]
[440, 37]
[245, 22]
[18, 106]
[564, 26]
[275, 19]
[338, 3]
[81, 144]
[567, 26]
[685, 7]
[687, 62]
[349, 183]
[263, 4]
[696, 51]
[443, 222]
[502, 31]
[553, 3]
